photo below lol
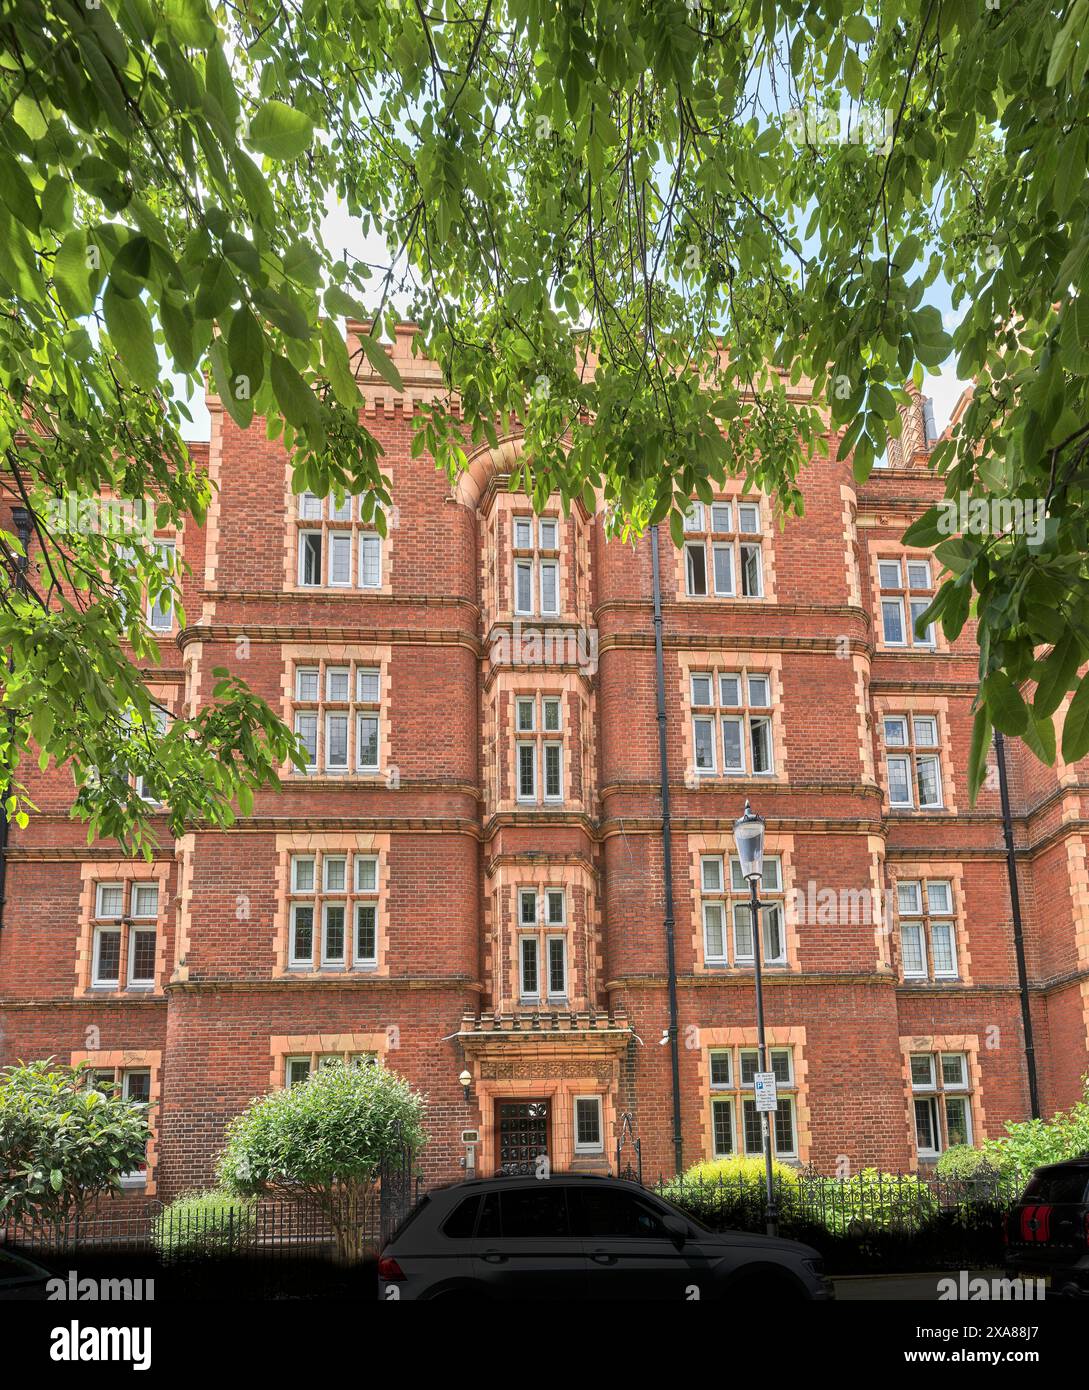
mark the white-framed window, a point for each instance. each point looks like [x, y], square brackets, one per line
[310, 559]
[336, 547]
[556, 957]
[125, 934]
[542, 943]
[160, 612]
[589, 1132]
[337, 716]
[928, 945]
[333, 912]
[536, 567]
[160, 722]
[913, 762]
[529, 967]
[370, 560]
[732, 723]
[726, 912]
[538, 749]
[732, 1072]
[941, 1101]
[296, 1070]
[907, 591]
[727, 559]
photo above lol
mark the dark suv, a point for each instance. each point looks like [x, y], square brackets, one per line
[574, 1236]
[1047, 1232]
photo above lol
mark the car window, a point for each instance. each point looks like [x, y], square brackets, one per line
[488, 1227]
[461, 1221]
[411, 1217]
[1057, 1185]
[535, 1211]
[607, 1213]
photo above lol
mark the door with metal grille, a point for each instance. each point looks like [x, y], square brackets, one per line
[523, 1130]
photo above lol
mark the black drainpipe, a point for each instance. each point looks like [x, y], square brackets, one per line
[1018, 933]
[21, 517]
[667, 854]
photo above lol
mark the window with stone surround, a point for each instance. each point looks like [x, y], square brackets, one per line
[735, 1120]
[913, 761]
[538, 749]
[337, 709]
[588, 1128]
[124, 934]
[160, 610]
[299, 1066]
[337, 545]
[727, 916]
[542, 945]
[333, 911]
[535, 565]
[928, 942]
[941, 1100]
[133, 1082]
[723, 549]
[907, 591]
[731, 723]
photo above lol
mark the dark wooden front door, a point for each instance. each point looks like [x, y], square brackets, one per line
[522, 1127]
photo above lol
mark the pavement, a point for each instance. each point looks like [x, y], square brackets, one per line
[921, 1288]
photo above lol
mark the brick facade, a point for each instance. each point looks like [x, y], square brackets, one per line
[492, 876]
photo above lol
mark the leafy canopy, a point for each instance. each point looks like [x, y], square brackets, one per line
[623, 184]
[332, 1131]
[63, 1140]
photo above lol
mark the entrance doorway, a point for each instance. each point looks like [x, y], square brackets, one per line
[523, 1132]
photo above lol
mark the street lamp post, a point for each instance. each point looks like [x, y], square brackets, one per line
[749, 838]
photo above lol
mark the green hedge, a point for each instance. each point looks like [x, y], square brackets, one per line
[204, 1223]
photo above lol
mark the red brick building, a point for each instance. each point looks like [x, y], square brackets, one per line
[472, 875]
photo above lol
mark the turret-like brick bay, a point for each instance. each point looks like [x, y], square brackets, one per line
[472, 875]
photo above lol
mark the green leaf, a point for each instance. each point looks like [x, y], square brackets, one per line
[978, 751]
[280, 131]
[130, 329]
[1004, 704]
[1057, 676]
[295, 398]
[381, 361]
[1076, 724]
[338, 368]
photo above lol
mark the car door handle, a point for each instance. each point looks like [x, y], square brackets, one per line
[603, 1257]
[494, 1257]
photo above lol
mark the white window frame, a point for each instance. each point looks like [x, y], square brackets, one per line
[369, 538]
[302, 582]
[520, 567]
[338, 767]
[525, 940]
[691, 546]
[526, 798]
[547, 747]
[163, 549]
[295, 960]
[340, 540]
[584, 1146]
[550, 939]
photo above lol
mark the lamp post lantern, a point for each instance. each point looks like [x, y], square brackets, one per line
[749, 839]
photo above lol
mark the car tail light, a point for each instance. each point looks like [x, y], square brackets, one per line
[390, 1270]
[1085, 1228]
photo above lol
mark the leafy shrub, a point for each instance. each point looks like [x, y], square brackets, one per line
[727, 1192]
[209, 1222]
[323, 1143]
[866, 1202]
[1027, 1144]
[63, 1140]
